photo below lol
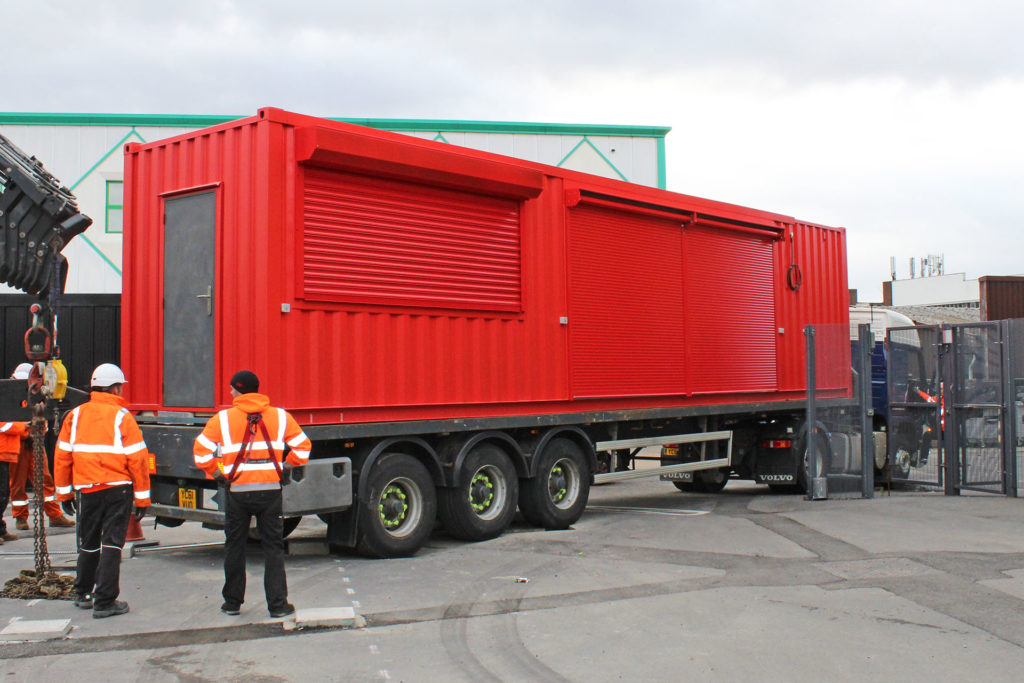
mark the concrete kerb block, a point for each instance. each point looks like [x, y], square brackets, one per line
[335, 617]
[297, 547]
[27, 630]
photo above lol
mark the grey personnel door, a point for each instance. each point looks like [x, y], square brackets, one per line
[188, 300]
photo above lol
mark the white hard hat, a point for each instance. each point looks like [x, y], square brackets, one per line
[22, 371]
[106, 375]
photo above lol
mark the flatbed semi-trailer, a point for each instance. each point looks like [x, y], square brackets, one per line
[461, 334]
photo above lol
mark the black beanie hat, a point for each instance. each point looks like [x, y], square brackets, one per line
[245, 382]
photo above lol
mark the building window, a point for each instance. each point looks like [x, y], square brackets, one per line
[115, 206]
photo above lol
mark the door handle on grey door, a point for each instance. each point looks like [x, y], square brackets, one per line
[209, 299]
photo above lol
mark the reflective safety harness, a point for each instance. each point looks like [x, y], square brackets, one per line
[254, 419]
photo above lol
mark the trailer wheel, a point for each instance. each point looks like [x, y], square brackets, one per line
[805, 476]
[556, 497]
[171, 522]
[901, 466]
[685, 486]
[398, 514]
[711, 481]
[483, 505]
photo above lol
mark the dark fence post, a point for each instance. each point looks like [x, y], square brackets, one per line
[867, 439]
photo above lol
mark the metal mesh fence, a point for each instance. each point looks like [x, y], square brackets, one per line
[977, 405]
[1015, 339]
[913, 419]
[837, 408]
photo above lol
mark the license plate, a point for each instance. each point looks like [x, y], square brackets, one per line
[677, 476]
[187, 498]
[671, 451]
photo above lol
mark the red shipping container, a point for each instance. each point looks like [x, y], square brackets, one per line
[368, 276]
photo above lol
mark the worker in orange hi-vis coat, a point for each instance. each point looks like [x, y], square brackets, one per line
[10, 445]
[101, 454]
[24, 469]
[243, 448]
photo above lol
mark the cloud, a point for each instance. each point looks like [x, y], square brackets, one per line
[895, 118]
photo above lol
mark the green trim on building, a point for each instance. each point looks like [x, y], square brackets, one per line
[440, 138]
[662, 175]
[202, 120]
[43, 119]
[100, 252]
[111, 207]
[115, 148]
[398, 125]
[587, 141]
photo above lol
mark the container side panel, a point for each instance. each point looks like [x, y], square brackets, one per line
[224, 158]
[730, 310]
[395, 353]
[374, 240]
[821, 298]
[625, 304]
[623, 282]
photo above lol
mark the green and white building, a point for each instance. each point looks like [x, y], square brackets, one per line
[85, 152]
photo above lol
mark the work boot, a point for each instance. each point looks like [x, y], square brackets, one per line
[117, 607]
[21, 524]
[83, 601]
[283, 611]
[61, 521]
[8, 536]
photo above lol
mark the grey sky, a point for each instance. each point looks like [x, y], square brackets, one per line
[899, 120]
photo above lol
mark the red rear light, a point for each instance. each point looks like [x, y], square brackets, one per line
[777, 443]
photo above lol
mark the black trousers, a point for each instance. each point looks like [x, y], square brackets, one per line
[102, 525]
[240, 509]
[5, 493]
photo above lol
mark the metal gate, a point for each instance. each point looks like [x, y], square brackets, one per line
[914, 421]
[956, 406]
[976, 421]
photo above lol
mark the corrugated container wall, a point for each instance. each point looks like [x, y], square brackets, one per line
[1002, 298]
[368, 276]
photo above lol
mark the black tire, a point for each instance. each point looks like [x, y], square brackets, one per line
[901, 464]
[711, 481]
[171, 522]
[400, 508]
[804, 475]
[484, 503]
[685, 486]
[556, 497]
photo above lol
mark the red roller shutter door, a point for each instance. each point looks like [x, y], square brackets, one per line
[625, 304]
[730, 310]
[371, 240]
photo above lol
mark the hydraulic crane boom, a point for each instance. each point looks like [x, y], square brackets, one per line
[38, 217]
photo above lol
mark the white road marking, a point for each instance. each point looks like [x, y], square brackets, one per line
[648, 511]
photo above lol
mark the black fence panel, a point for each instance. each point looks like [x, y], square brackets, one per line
[1015, 395]
[977, 407]
[839, 453]
[914, 428]
[89, 332]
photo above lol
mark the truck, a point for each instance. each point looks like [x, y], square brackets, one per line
[461, 334]
[910, 432]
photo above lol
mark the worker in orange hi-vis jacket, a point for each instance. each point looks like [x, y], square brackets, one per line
[243, 448]
[101, 454]
[11, 434]
[24, 469]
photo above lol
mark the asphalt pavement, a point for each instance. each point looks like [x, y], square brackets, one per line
[651, 584]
